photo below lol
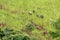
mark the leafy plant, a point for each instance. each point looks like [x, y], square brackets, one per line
[10, 34]
[1, 34]
[57, 24]
[25, 38]
[29, 27]
[53, 34]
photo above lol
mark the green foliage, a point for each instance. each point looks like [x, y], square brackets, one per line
[57, 24]
[25, 38]
[29, 27]
[15, 14]
[54, 34]
[8, 31]
[1, 34]
[10, 34]
[18, 37]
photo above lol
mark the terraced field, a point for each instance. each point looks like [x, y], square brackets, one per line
[29, 19]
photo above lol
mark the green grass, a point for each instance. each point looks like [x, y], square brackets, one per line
[15, 14]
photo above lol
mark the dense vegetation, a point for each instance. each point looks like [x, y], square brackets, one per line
[29, 20]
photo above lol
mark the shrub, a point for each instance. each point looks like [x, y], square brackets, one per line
[53, 34]
[10, 34]
[57, 24]
[29, 27]
[25, 38]
[1, 34]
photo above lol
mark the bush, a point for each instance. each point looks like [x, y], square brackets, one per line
[57, 24]
[10, 34]
[1, 34]
[25, 38]
[53, 34]
[29, 27]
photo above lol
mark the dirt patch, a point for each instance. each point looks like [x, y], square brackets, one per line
[2, 24]
[39, 27]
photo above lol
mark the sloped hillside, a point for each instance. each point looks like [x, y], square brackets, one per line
[29, 19]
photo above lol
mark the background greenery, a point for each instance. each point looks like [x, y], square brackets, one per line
[29, 20]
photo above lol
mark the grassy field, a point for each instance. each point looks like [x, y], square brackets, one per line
[16, 14]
